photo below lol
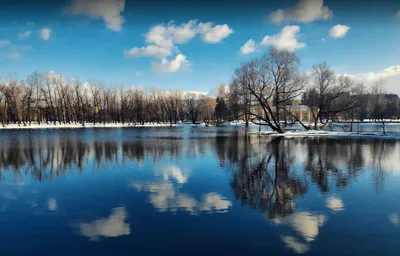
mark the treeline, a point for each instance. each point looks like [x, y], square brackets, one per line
[269, 90]
[50, 98]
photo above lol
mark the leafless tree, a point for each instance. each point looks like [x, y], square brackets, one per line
[328, 95]
[269, 83]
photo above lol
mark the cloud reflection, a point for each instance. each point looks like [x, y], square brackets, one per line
[52, 204]
[305, 223]
[165, 195]
[113, 226]
[335, 203]
[294, 244]
[394, 219]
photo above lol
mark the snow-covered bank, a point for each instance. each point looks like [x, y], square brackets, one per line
[87, 125]
[301, 134]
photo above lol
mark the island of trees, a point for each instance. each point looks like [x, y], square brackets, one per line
[269, 90]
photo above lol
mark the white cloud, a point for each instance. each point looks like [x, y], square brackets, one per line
[113, 226]
[45, 33]
[52, 204]
[170, 65]
[394, 219]
[294, 244]
[4, 43]
[248, 47]
[164, 38]
[305, 223]
[335, 204]
[213, 35]
[166, 35]
[149, 51]
[14, 54]
[397, 15]
[304, 11]
[390, 77]
[108, 10]
[24, 35]
[339, 31]
[285, 40]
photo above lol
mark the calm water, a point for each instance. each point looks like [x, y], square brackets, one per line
[201, 191]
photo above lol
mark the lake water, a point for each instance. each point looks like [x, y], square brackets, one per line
[201, 191]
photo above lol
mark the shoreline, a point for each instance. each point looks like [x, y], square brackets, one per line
[86, 126]
[35, 125]
[305, 134]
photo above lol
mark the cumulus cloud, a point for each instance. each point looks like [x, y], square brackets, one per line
[170, 65]
[296, 245]
[113, 226]
[339, 31]
[214, 34]
[390, 77]
[45, 33]
[109, 11]
[4, 43]
[52, 204]
[304, 11]
[166, 35]
[149, 51]
[162, 40]
[335, 203]
[248, 47]
[24, 35]
[14, 54]
[285, 40]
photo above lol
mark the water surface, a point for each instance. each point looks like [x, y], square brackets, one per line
[186, 190]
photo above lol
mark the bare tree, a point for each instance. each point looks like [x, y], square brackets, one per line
[379, 102]
[273, 81]
[328, 94]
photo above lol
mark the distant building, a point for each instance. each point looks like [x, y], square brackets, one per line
[302, 112]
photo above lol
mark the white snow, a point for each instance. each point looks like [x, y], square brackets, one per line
[79, 125]
[314, 133]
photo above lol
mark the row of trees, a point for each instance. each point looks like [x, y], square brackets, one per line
[268, 90]
[51, 98]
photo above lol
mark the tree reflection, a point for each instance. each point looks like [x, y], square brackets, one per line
[266, 181]
[268, 174]
[271, 173]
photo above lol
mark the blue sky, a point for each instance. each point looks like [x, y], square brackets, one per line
[91, 39]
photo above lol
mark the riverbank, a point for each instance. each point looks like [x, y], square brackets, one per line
[304, 134]
[79, 125]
